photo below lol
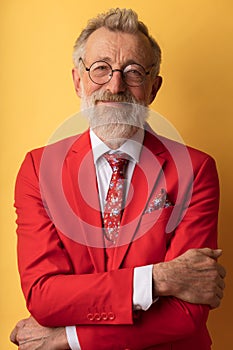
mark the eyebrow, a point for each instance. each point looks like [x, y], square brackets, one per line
[108, 60]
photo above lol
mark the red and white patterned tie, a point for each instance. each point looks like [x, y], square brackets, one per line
[115, 195]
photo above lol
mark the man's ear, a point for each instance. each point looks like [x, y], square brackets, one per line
[155, 88]
[77, 81]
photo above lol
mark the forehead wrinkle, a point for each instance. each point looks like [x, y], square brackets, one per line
[118, 48]
[122, 59]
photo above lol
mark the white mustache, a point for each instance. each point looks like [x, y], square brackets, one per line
[107, 96]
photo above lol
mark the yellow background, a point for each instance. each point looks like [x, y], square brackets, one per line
[37, 95]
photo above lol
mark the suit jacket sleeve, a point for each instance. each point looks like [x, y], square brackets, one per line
[57, 296]
[48, 279]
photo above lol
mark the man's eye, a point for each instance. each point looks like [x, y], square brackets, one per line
[101, 68]
[134, 72]
[100, 71]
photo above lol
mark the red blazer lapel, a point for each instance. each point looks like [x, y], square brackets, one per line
[80, 186]
[148, 175]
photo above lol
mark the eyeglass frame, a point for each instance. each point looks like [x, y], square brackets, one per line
[116, 70]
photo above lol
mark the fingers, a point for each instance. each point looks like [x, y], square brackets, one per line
[216, 303]
[219, 293]
[221, 284]
[13, 336]
[221, 270]
[218, 288]
[212, 253]
[14, 333]
[216, 300]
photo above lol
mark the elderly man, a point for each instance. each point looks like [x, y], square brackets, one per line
[117, 226]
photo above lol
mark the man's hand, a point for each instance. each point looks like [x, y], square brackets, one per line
[194, 277]
[29, 335]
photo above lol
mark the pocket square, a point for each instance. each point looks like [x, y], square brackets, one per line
[160, 201]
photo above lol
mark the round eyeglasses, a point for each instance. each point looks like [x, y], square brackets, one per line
[101, 72]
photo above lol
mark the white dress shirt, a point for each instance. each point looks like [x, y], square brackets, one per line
[142, 281]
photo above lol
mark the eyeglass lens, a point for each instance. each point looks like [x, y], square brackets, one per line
[101, 72]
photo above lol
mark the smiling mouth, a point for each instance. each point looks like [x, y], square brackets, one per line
[110, 103]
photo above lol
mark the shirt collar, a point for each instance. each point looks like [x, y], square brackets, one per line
[132, 146]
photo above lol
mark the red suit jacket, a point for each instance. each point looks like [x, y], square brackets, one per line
[68, 278]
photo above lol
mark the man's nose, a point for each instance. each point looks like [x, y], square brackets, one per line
[116, 84]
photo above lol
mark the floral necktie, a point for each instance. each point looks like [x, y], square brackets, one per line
[115, 195]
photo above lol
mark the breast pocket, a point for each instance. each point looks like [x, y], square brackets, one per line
[154, 225]
[156, 217]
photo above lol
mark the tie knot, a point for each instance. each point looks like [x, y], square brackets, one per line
[117, 161]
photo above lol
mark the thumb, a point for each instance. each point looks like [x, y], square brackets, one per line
[212, 253]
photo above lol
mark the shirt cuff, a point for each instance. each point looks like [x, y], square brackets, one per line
[72, 338]
[142, 287]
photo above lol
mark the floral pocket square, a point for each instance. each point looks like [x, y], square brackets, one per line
[160, 201]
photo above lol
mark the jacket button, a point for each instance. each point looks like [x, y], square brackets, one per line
[90, 316]
[111, 316]
[97, 316]
[104, 316]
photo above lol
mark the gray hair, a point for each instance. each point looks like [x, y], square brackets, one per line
[124, 20]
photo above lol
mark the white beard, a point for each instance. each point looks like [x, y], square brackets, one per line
[116, 122]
